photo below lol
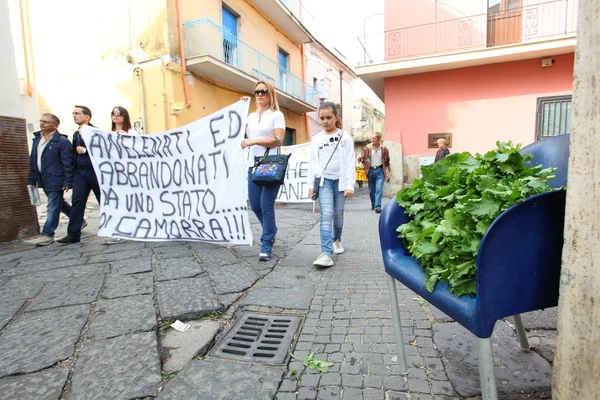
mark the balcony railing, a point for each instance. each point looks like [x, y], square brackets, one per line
[203, 37]
[537, 22]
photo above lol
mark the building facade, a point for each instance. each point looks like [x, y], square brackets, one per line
[474, 72]
[18, 217]
[98, 57]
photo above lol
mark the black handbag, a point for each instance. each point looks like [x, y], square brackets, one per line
[269, 170]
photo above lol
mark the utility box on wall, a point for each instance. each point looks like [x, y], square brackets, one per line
[18, 218]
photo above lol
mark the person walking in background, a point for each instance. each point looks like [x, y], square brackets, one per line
[121, 124]
[360, 173]
[443, 150]
[265, 129]
[51, 168]
[376, 160]
[332, 161]
[84, 178]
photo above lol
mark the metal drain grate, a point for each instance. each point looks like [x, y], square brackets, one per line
[259, 338]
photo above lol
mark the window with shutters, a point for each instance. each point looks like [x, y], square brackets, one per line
[553, 116]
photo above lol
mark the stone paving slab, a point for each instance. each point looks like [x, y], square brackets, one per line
[67, 292]
[298, 299]
[40, 339]
[19, 288]
[228, 299]
[221, 380]
[33, 266]
[516, 370]
[132, 266]
[121, 255]
[232, 278]
[176, 268]
[127, 285]
[122, 316]
[125, 367]
[8, 310]
[187, 298]
[541, 319]
[173, 250]
[543, 342]
[292, 277]
[178, 348]
[46, 385]
[219, 256]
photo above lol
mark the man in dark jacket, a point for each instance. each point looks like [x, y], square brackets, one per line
[51, 168]
[84, 179]
[442, 150]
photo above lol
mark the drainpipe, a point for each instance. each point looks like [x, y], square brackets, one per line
[186, 86]
[140, 74]
[25, 47]
[304, 80]
[341, 97]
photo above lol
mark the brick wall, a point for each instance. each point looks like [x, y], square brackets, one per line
[18, 218]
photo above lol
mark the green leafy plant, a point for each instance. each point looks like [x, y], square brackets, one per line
[455, 201]
[314, 364]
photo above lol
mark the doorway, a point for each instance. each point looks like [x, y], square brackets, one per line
[229, 23]
[504, 22]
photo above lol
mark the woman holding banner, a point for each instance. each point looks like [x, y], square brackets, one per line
[121, 124]
[265, 129]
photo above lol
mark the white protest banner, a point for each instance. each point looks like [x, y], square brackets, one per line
[295, 188]
[188, 183]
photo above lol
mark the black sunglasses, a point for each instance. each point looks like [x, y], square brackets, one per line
[261, 92]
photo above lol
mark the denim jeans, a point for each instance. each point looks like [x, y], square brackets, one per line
[56, 204]
[84, 181]
[262, 202]
[331, 204]
[375, 178]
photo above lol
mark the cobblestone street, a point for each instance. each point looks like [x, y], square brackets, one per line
[91, 321]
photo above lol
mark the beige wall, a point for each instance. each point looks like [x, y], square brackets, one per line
[88, 55]
[253, 28]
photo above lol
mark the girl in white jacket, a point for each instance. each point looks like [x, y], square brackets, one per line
[332, 161]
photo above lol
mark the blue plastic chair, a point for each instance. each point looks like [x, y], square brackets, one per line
[518, 264]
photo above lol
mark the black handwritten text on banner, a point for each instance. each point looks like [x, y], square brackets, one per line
[185, 184]
[295, 188]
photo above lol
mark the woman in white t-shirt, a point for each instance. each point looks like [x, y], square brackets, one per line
[121, 123]
[263, 126]
[332, 159]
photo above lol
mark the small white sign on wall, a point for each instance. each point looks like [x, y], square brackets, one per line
[425, 160]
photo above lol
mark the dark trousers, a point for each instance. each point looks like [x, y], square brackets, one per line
[84, 181]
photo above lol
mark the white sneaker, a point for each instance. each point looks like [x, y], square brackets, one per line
[44, 240]
[323, 261]
[337, 247]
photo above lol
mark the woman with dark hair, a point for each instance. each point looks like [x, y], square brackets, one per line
[121, 122]
[265, 129]
[331, 164]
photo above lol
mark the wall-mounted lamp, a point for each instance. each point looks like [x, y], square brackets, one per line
[363, 122]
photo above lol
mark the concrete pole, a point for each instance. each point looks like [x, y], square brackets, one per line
[577, 362]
